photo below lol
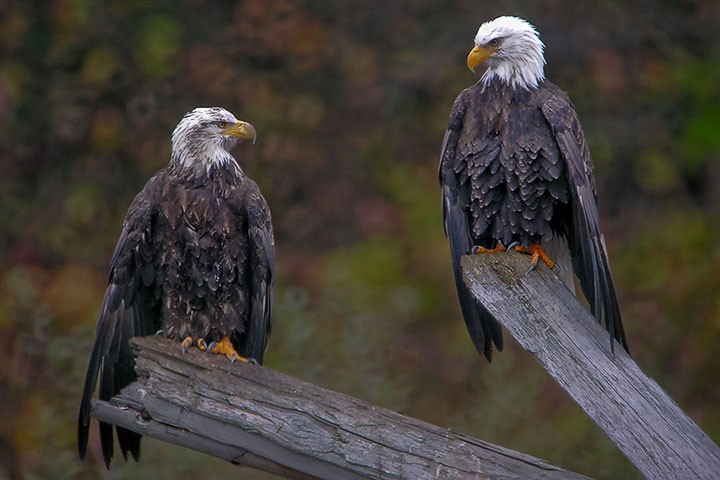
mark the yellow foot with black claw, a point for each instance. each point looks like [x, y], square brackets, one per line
[202, 345]
[185, 344]
[225, 347]
[478, 249]
[537, 253]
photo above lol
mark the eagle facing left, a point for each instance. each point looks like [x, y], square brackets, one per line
[195, 261]
[516, 172]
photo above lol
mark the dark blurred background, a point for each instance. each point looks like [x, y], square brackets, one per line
[350, 99]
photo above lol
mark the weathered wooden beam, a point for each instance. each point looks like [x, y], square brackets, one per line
[551, 323]
[258, 417]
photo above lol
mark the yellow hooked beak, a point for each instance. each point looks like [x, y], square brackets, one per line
[242, 130]
[478, 55]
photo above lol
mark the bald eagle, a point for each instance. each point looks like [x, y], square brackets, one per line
[195, 262]
[515, 172]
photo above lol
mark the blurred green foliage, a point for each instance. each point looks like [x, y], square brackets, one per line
[350, 100]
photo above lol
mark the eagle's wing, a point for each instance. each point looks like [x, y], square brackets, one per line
[587, 244]
[484, 329]
[262, 272]
[126, 312]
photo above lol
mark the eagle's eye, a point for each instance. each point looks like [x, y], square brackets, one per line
[222, 124]
[495, 42]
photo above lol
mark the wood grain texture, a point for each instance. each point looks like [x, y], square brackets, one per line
[553, 325]
[254, 416]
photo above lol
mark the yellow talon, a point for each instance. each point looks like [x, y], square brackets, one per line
[536, 253]
[225, 347]
[478, 249]
[185, 344]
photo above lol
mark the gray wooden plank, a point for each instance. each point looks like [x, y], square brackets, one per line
[203, 402]
[554, 326]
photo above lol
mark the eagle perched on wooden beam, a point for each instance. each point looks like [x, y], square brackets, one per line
[194, 262]
[515, 172]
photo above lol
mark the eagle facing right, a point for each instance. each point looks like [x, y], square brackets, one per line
[194, 262]
[515, 172]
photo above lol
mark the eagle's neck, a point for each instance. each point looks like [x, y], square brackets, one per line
[220, 178]
[203, 157]
[506, 95]
[515, 75]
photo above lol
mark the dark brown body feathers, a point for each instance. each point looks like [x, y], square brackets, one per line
[515, 167]
[516, 175]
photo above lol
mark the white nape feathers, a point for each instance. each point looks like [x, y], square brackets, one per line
[519, 59]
